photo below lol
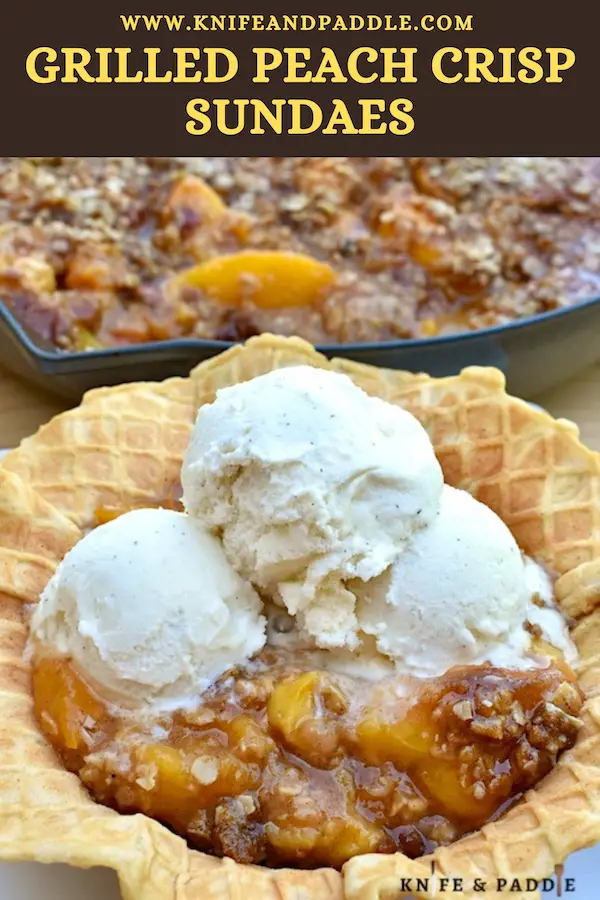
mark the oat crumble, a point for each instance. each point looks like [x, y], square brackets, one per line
[418, 247]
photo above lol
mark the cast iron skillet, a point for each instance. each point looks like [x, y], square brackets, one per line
[535, 353]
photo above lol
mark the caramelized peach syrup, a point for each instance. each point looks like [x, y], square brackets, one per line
[284, 765]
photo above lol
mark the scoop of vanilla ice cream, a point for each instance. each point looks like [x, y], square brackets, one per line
[458, 595]
[310, 482]
[148, 607]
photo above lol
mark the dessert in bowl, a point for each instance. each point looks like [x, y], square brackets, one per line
[348, 652]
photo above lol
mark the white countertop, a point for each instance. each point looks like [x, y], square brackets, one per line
[34, 881]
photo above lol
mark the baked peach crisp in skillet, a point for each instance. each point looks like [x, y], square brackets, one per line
[329, 653]
[99, 252]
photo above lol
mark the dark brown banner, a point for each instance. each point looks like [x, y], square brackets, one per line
[445, 78]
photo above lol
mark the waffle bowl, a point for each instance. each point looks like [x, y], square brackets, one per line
[124, 446]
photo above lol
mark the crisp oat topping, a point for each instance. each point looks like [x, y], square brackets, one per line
[205, 769]
[310, 768]
[463, 710]
[479, 790]
[146, 778]
[419, 246]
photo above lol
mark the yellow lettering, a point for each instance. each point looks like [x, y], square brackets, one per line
[221, 105]
[296, 126]
[213, 54]
[370, 116]
[267, 59]
[480, 59]
[400, 110]
[390, 64]
[444, 23]
[185, 59]
[296, 60]
[340, 116]
[507, 54]
[436, 64]
[465, 24]
[75, 61]
[329, 66]
[196, 110]
[527, 57]
[49, 76]
[556, 65]
[152, 75]
[103, 60]
[355, 75]
[274, 119]
[123, 76]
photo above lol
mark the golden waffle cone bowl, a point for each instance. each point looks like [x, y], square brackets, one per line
[124, 446]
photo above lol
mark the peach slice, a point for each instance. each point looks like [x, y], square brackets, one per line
[305, 710]
[270, 279]
[249, 741]
[406, 741]
[193, 196]
[64, 704]
[292, 702]
[169, 769]
[441, 780]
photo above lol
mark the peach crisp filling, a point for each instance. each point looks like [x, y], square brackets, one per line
[280, 764]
